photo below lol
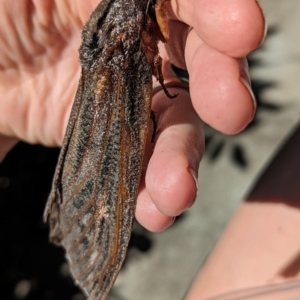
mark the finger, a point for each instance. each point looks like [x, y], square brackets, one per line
[219, 84]
[233, 27]
[172, 169]
[219, 87]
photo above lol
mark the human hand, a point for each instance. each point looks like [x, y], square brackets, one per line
[39, 52]
[213, 52]
[39, 69]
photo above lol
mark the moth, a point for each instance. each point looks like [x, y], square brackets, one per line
[91, 206]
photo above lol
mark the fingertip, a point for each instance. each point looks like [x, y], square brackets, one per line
[240, 31]
[233, 27]
[170, 183]
[220, 93]
[149, 216]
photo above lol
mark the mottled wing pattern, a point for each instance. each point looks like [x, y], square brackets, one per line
[91, 206]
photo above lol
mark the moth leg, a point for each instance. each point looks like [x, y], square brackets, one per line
[152, 117]
[157, 72]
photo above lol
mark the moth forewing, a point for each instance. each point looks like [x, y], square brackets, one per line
[92, 202]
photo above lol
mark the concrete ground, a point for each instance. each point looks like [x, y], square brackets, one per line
[229, 169]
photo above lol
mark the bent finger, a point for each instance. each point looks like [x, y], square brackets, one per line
[233, 27]
[219, 87]
[171, 174]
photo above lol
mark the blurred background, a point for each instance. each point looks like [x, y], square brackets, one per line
[158, 266]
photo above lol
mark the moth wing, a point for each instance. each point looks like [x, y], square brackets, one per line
[91, 207]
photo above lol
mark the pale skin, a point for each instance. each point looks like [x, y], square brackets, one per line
[39, 72]
[260, 245]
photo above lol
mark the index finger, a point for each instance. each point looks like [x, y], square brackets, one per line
[233, 27]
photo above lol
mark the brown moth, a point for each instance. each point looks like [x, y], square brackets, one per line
[91, 206]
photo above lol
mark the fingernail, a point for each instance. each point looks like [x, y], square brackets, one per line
[248, 87]
[265, 25]
[195, 176]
